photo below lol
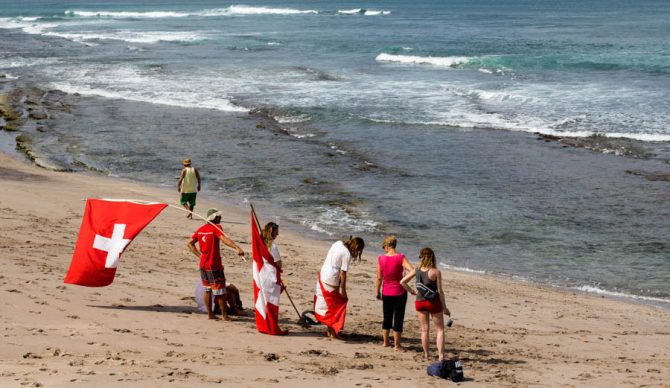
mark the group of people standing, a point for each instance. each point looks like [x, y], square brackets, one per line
[394, 272]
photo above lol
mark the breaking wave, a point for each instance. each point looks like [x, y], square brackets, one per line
[228, 11]
[361, 11]
[418, 60]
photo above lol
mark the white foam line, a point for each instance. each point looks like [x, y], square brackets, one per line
[232, 10]
[599, 291]
[222, 105]
[501, 125]
[463, 269]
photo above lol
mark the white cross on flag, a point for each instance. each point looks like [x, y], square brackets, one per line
[267, 285]
[108, 226]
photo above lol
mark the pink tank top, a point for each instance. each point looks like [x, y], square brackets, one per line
[391, 269]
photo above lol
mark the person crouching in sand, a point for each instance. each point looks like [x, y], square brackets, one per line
[330, 295]
[429, 299]
[211, 268]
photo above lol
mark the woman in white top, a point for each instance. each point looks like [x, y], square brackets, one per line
[331, 288]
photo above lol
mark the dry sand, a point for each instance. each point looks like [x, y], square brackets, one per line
[143, 330]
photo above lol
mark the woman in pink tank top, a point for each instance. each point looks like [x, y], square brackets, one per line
[390, 269]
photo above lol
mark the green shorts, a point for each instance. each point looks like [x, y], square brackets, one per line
[188, 198]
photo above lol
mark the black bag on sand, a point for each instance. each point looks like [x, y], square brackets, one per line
[447, 369]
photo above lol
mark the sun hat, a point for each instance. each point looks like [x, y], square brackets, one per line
[213, 213]
[186, 162]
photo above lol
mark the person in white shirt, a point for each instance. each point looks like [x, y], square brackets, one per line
[331, 288]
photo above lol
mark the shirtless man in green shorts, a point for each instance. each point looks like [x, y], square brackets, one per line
[188, 186]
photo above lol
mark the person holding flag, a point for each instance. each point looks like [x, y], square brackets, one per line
[213, 278]
[330, 296]
[269, 234]
[267, 276]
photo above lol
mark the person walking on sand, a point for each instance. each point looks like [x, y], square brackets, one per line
[188, 186]
[330, 295]
[211, 268]
[429, 299]
[390, 269]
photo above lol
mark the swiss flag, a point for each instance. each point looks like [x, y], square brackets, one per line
[106, 230]
[267, 285]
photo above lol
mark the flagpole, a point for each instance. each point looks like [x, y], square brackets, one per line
[140, 201]
[201, 217]
[253, 212]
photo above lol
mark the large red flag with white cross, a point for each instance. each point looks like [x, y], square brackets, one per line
[267, 284]
[107, 228]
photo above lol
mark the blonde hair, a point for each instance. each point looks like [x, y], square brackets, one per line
[390, 241]
[267, 232]
[426, 258]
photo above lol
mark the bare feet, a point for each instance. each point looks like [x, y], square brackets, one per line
[226, 318]
[426, 356]
[397, 349]
[386, 344]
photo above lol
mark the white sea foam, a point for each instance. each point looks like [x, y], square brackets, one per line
[489, 95]
[463, 269]
[600, 291]
[333, 217]
[414, 60]
[172, 99]
[372, 12]
[350, 11]
[292, 119]
[16, 62]
[132, 36]
[28, 18]
[125, 14]
[247, 10]
[229, 11]
[28, 26]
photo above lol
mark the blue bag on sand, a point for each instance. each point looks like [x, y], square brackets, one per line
[447, 369]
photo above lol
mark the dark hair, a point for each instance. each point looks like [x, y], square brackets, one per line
[355, 246]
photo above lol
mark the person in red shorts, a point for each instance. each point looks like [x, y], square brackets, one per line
[429, 302]
[213, 278]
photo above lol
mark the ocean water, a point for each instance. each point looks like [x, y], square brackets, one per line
[407, 117]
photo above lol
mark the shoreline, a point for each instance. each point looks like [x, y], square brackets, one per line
[506, 332]
[33, 111]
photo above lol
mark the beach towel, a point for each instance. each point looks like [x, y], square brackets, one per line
[267, 285]
[329, 307]
[107, 228]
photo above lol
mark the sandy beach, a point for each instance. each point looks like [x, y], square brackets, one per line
[144, 329]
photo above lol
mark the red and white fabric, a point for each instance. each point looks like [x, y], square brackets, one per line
[330, 308]
[107, 228]
[267, 285]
